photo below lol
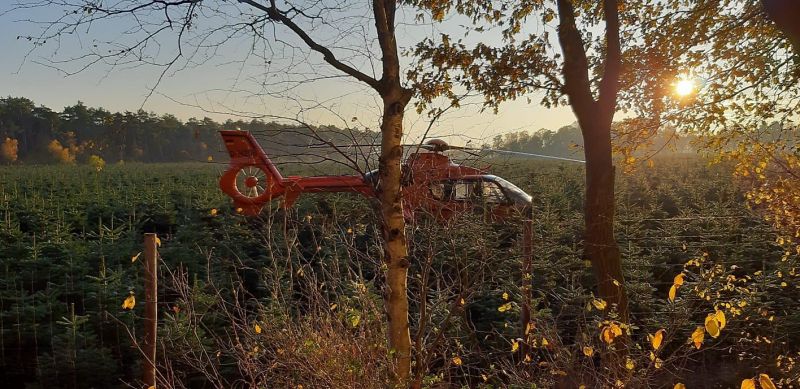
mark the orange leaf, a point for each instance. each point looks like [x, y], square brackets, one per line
[697, 337]
[129, 302]
[657, 339]
[765, 382]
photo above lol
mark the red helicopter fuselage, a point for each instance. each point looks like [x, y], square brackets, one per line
[433, 183]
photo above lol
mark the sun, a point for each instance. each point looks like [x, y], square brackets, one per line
[684, 87]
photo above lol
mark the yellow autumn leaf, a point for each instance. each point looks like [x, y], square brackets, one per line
[355, 319]
[679, 386]
[158, 242]
[588, 351]
[528, 358]
[504, 307]
[616, 329]
[514, 346]
[657, 339]
[610, 332]
[650, 163]
[629, 364]
[678, 280]
[257, 328]
[530, 327]
[606, 335]
[697, 337]
[748, 384]
[672, 291]
[129, 302]
[712, 325]
[720, 316]
[600, 304]
[582, 386]
[213, 212]
[151, 387]
[457, 361]
[658, 363]
[545, 343]
[765, 382]
[135, 257]
[505, 296]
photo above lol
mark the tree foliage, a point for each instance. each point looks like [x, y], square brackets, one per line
[747, 71]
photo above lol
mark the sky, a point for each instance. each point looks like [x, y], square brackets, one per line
[232, 80]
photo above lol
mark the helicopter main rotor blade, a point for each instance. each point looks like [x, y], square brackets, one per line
[446, 147]
[533, 155]
[326, 145]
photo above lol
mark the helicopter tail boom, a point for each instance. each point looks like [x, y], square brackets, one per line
[252, 179]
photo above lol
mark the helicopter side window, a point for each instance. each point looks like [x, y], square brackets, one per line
[464, 190]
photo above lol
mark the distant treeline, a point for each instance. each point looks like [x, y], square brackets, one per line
[568, 142]
[37, 134]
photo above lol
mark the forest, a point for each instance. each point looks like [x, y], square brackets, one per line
[37, 134]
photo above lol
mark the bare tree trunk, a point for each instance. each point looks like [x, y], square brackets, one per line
[394, 225]
[395, 98]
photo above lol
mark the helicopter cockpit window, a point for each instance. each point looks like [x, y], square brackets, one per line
[492, 193]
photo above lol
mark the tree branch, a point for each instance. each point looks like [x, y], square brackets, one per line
[274, 14]
[607, 98]
[576, 67]
[384, 24]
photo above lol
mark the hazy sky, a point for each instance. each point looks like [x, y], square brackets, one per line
[224, 83]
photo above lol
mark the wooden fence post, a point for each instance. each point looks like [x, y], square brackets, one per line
[150, 309]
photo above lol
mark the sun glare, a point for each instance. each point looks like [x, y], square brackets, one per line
[684, 87]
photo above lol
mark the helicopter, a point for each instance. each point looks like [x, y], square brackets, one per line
[432, 182]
